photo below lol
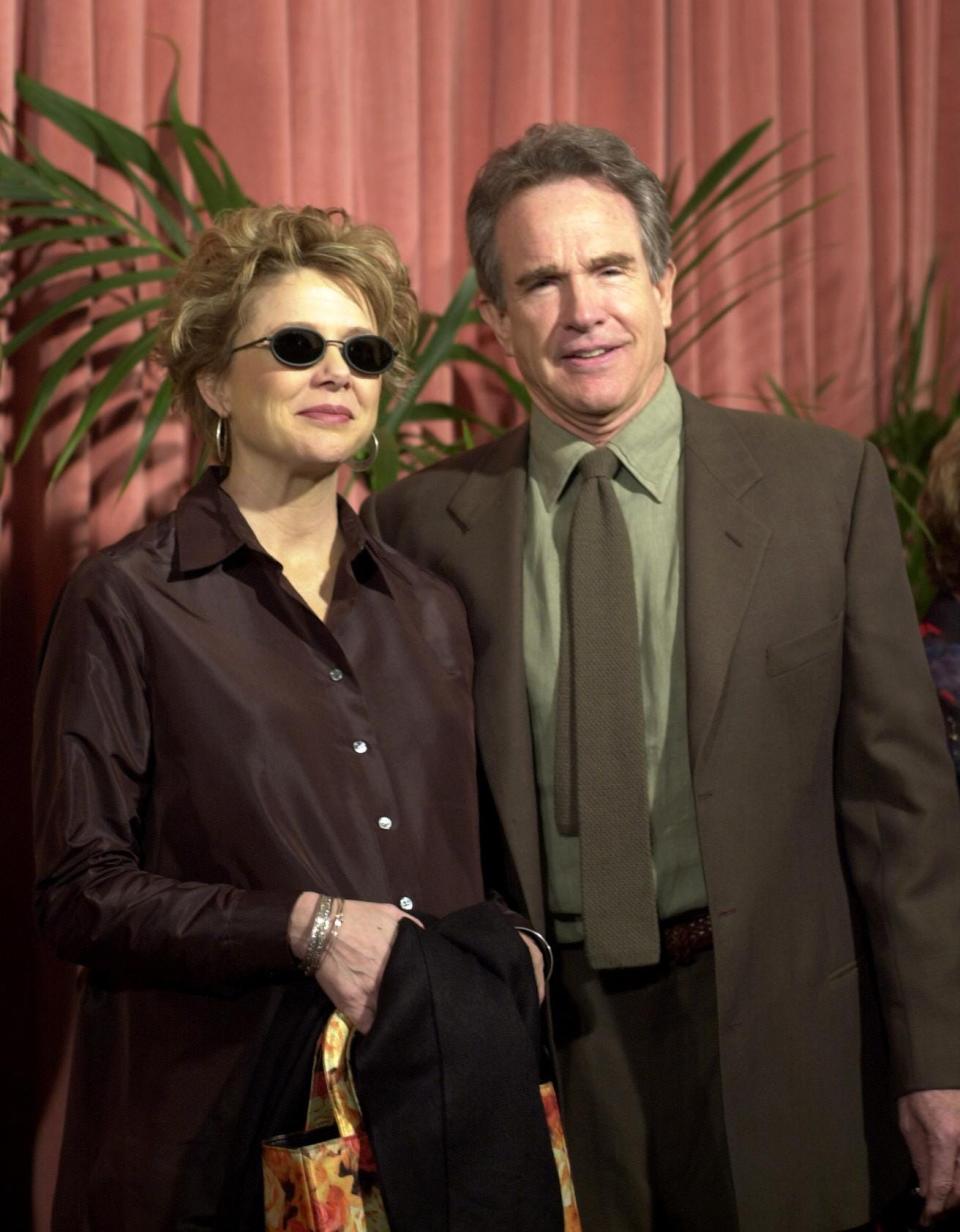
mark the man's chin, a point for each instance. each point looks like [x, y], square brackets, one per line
[590, 421]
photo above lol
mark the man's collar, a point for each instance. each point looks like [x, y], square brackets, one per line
[648, 445]
[210, 527]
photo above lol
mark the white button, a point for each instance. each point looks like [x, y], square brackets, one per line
[359, 746]
[406, 903]
[336, 674]
[385, 823]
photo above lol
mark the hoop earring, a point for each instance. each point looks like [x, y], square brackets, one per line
[367, 456]
[222, 439]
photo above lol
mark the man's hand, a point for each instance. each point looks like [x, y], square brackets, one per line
[930, 1123]
[353, 966]
[536, 957]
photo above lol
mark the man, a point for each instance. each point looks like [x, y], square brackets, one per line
[704, 718]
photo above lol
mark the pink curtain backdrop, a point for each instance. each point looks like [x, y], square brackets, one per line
[388, 107]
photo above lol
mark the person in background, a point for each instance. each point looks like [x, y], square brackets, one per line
[939, 506]
[254, 739]
[705, 719]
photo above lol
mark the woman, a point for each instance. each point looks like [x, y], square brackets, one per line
[939, 506]
[254, 741]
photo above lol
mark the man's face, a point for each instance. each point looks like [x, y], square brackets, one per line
[582, 318]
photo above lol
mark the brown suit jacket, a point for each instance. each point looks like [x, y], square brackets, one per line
[826, 803]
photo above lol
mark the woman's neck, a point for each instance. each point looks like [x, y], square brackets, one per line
[293, 517]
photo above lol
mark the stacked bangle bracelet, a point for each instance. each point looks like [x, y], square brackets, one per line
[324, 929]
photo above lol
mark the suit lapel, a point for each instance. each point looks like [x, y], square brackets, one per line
[490, 510]
[724, 544]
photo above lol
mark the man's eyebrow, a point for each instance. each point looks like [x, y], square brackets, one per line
[529, 277]
[625, 259]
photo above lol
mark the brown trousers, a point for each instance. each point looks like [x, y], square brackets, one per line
[643, 1111]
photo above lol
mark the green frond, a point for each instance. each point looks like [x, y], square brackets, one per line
[155, 417]
[75, 261]
[70, 359]
[75, 299]
[115, 375]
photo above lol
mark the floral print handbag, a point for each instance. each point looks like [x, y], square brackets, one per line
[325, 1179]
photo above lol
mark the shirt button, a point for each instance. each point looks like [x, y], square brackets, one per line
[385, 823]
[336, 674]
[406, 903]
[359, 746]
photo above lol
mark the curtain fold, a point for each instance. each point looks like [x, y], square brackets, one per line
[388, 107]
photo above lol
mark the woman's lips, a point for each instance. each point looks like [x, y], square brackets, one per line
[327, 414]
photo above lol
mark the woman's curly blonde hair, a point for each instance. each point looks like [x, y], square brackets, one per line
[245, 248]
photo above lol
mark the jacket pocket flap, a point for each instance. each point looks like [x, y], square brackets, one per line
[785, 656]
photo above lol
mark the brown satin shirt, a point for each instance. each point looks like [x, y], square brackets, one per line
[205, 749]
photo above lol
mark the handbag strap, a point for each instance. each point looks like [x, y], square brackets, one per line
[333, 1096]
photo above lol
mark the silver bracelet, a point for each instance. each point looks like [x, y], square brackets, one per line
[319, 927]
[544, 947]
[333, 932]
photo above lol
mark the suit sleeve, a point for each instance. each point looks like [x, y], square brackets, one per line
[897, 799]
[92, 766]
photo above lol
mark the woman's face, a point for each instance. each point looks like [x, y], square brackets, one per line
[295, 421]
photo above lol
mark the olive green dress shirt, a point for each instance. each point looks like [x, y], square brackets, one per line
[649, 488]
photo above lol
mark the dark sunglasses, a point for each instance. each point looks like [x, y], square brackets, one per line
[300, 347]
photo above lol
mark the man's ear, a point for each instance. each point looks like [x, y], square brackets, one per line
[664, 290]
[210, 391]
[498, 321]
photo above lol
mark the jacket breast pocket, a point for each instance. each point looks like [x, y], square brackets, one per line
[786, 656]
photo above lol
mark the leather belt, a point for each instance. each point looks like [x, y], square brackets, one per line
[685, 936]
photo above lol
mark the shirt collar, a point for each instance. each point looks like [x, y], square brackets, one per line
[648, 445]
[210, 527]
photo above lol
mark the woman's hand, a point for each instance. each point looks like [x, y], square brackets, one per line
[353, 966]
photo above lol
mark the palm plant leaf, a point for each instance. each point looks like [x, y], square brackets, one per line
[155, 417]
[146, 244]
[738, 209]
[434, 351]
[778, 225]
[66, 304]
[74, 261]
[717, 172]
[52, 235]
[741, 184]
[424, 411]
[118, 371]
[917, 422]
[468, 354]
[907, 372]
[217, 194]
[70, 359]
[728, 299]
[763, 275]
[47, 213]
[114, 144]
[42, 182]
[708, 324]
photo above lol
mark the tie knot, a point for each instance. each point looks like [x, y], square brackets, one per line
[599, 464]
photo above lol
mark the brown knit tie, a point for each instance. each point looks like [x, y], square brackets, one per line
[600, 778]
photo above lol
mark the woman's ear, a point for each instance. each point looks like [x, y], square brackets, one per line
[212, 393]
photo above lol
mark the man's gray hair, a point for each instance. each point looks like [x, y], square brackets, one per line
[549, 152]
